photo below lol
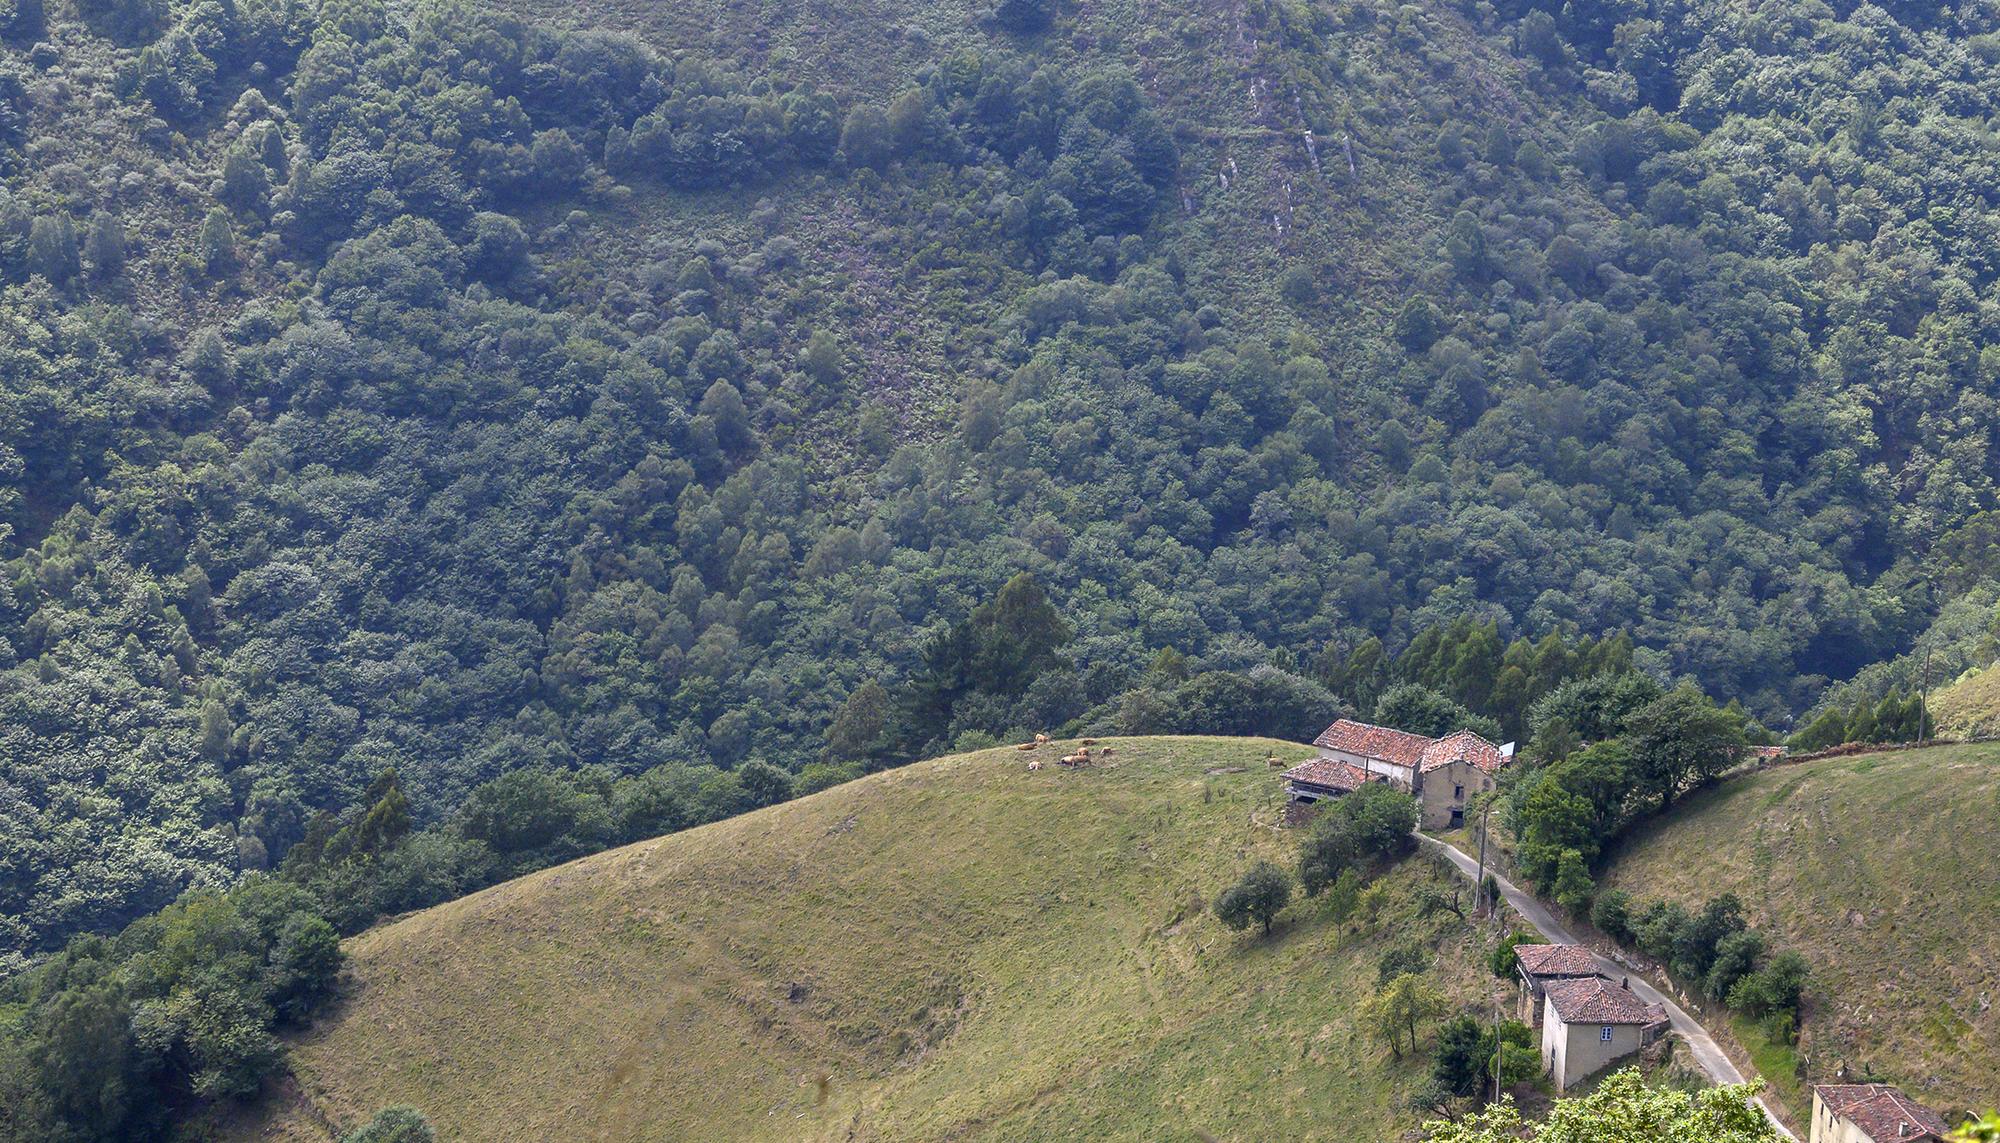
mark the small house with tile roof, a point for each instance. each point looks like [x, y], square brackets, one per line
[1588, 1024]
[1539, 965]
[1871, 1113]
[1443, 773]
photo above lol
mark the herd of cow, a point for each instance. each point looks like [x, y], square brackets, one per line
[1082, 757]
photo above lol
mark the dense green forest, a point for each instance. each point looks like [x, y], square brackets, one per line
[429, 393]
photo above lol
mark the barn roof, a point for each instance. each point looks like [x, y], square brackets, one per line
[1556, 960]
[1369, 741]
[1598, 1001]
[1463, 746]
[1882, 1111]
[1329, 775]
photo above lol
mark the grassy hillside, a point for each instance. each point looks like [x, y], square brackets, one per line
[1969, 707]
[959, 947]
[1881, 870]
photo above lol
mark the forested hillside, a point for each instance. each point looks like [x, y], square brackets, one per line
[453, 391]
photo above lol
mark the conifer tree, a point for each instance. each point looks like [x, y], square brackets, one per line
[104, 246]
[217, 243]
[52, 248]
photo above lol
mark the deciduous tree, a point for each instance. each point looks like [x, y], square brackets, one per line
[1256, 899]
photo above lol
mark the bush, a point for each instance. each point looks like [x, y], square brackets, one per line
[1257, 898]
[1370, 825]
[1521, 1059]
[1401, 958]
[763, 783]
[531, 810]
[393, 1125]
[1658, 928]
[1696, 940]
[1573, 886]
[1774, 989]
[817, 776]
[1460, 1061]
[1612, 914]
[1261, 701]
[1502, 961]
[1736, 956]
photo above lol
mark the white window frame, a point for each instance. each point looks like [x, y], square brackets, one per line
[1604, 1034]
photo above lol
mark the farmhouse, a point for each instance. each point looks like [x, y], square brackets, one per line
[1541, 965]
[1871, 1113]
[1586, 1024]
[1443, 773]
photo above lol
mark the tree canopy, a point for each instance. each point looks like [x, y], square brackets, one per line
[1622, 1109]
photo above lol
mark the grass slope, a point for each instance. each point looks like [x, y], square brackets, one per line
[958, 948]
[1881, 870]
[1969, 707]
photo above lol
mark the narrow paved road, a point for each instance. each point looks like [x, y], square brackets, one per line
[1706, 1053]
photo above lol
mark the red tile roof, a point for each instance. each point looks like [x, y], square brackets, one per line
[1882, 1112]
[1386, 743]
[1556, 960]
[1598, 1001]
[1463, 746]
[1330, 775]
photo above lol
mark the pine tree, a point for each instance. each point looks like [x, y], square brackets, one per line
[216, 729]
[104, 246]
[246, 183]
[218, 243]
[52, 248]
[860, 732]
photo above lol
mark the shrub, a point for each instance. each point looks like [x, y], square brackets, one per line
[393, 1125]
[1611, 913]
[1257, 898]
[1371, 824]
[1502, 961]
[1401, 958]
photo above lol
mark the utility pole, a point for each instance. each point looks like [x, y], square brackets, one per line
[1930, 640]
[1924, 693]
[1479, 882]
[1499, 1052]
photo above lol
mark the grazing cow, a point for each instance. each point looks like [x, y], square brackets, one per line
[1034, 763]
[1041, 740]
